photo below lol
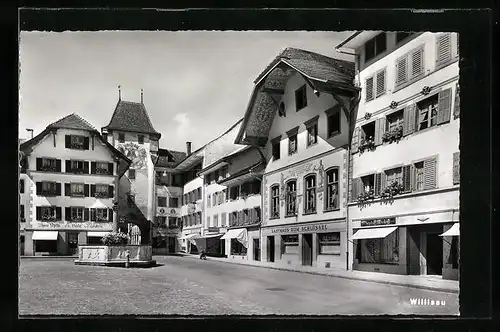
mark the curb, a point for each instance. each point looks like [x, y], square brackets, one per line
[436, 289]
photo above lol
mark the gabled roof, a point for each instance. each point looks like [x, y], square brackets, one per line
[72, 121]
[314, 65]
[169, 158]
[131, 116]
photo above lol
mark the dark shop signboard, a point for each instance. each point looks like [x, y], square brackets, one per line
[378, 222]
[299, 229]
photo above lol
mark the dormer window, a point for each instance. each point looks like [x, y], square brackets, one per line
[375, 46]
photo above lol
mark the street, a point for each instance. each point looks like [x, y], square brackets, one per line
[186, 286]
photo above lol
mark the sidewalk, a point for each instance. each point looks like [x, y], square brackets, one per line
[434, 283]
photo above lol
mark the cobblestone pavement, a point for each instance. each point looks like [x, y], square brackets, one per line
[186, 286]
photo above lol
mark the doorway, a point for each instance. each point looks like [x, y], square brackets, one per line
[434, 254]
[256, 249]
[270, 248]
[73, 243]
[307, 249]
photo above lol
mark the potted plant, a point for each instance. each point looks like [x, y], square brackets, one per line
[365, 196]
[391, 190]
[367, 144]
[393, 135]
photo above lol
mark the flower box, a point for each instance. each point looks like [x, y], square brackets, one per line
[101, 195]
[393, 135]
[367, 144]
[391, 190]
[367, 195]
[101, 171]
[48, 169]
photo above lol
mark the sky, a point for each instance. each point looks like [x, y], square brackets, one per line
[196, 83]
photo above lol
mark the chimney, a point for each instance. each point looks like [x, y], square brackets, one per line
[119, 92]
[142, 96]
[188, 148]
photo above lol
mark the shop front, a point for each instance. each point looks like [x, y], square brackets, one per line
[319, 244]
[242, 243]
[188, 243]
[210, 244]
[425, 244]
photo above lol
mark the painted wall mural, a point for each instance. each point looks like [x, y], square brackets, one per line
[136, 153]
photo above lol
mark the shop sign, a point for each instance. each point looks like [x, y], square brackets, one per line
[378, 222]
[213, 229]
[301, 229]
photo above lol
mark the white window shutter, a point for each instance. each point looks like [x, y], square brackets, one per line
[401, 70]
[443, 49]
[369, 88]
[417, 62]
[380, 83]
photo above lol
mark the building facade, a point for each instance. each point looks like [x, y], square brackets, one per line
[168, 200]
[299, 116]
[404, 181]
[69, 183]
[130, 131]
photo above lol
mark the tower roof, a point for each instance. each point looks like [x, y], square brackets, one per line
[131, 116]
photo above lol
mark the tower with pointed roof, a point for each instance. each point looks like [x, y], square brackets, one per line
[131, 132]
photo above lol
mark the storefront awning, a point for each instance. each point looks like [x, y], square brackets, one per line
[373, 233]
[188, 236]
[453, 231]
[45, 235]
[239, 234]
[97, 234]
[208, 236]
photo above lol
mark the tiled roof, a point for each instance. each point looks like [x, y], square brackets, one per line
[169, 158]
[72, 121]
[314, 65]
[130, 116]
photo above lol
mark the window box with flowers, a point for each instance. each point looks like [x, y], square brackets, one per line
[366, 196]
[393, 135]
[367, 144]
[101, 194]
[395, 188]
[101, 170]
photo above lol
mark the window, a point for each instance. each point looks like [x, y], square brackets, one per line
[368, 184]
[276, 149]
[419, 176]
[208, 221]
[233, 192]
[21, 186]
[76, 214]
[216, 176]
[332, 189]
[312, 134]
[173, 202]
[216, 220]
[333, 122]
[456, 167]
[233, 218]
[47, 164]
[400, 36]
[380, 251]
[310, 199]
[329, 243]
[48, 189]
[162, 202]
[102, 191]
[454, 253]
[131, 174]
[292, 144]
[101, 214]
[275, 202]
[198, 218]
[198, 193]
[395, 120]
[77, 166]
[410, 66]
[121, 138]
[105, 137]
[77, 189]
[102, 168]
[375, 46]
[290, 244]
[394, 175]
[427, 112]
[47, 213]
[256, 214]
[368, 133]
[214, 199]
[77, 142]
[291, 198]
[140, 139]
[209, 200]
[172, 222]
[237, 248]
[255, 187]
[443, 49]
[21, 213]
[301, 98]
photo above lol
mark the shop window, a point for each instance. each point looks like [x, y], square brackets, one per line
[291, 198]
[292, 144]
[121, 138]
[375, 46]
[333, 122]
[275, 202]
[162, 202]
[45, 246]
[427, 111]
[276, 149]
[332, 189]
[380, 251]
[237, 248]
[312, 134]
[301, 98]
[310, 194]
[290, 244]
[329, 243]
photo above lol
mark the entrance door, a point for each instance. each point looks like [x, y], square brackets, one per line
[434, 255]
[73, 243]
[171, 244]
[256, 249]
[307, 249]
[270, 248]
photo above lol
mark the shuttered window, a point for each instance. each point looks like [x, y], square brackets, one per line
[410, 66]
[223, 219]
[426, 174]
[380, 83]
[443, 49]
[456, 168]
[417, 62]
[401, 70]
[456, 109]
[369, 88]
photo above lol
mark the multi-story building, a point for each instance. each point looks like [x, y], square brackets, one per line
[299, 112]
[69, 182]
[130, 131]
[168, 199]
[231, 197]
[192, 199]
[404, 209]
[23, 199]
